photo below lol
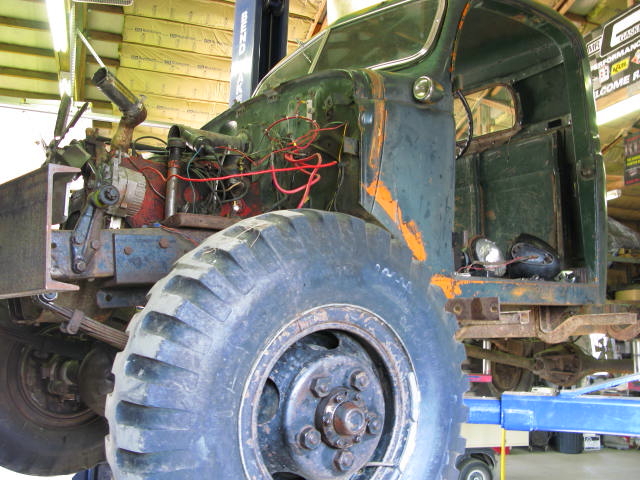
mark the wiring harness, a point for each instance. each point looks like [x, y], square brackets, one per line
[226, 176]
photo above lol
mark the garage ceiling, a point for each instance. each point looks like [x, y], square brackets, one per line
[175, 52]
[178, 54]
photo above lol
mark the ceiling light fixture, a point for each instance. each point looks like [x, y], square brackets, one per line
[58, 24]
[613, 194]
[64, 84]
[618, 110]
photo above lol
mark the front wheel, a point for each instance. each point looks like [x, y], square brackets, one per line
[292, 346]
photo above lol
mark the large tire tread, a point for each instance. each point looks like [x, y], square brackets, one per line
[151, 407]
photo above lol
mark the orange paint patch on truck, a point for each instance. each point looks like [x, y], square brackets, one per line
[448, 285]
[409, 230]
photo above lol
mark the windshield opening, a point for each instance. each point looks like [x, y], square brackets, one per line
[389, 35]
[295, 65]
[385, 36]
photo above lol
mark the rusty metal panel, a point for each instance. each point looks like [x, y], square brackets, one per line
[194, 220]
[485, 308]
[28, 207]
[145, 259]
[100, 266]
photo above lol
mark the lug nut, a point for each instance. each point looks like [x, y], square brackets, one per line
[359, 380]
[326, 419]
[309, 438]
[320, 387]
[344, 460]
[374, 425]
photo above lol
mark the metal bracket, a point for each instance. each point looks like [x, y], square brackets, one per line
[470, 309]
[529, 324]
[29, 205]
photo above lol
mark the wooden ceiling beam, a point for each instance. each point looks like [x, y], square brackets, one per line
[100, 104]
[33, 51]
[564, 5]
[44, 26]
[104, 36]
[102, 8]
[35, 74]
[625, 201]
[79, 55]
[624, 213]
[23, 23]
[319, 21]
[8, 92]
[109, 62]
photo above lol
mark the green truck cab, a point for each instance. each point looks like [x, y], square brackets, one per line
[419, 174]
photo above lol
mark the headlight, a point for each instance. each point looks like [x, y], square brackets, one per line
[488, 255]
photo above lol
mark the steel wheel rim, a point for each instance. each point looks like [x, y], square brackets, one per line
[365, 332]
[36, 407]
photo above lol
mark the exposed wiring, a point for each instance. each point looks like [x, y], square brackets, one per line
[479, 266]
[249, 174]
[164, 142]
[146, 149]
[467, 109]
[141, 170]
[193, 189]
[211, 170]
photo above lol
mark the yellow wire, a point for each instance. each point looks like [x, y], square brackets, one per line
[503, 451]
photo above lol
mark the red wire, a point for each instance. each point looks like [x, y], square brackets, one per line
[248, 174]
[156, 171]
[312, 179]
[295, 147]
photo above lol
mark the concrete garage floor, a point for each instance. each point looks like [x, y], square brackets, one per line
[604, 464]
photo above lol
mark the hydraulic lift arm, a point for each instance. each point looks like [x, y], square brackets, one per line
[567, 411]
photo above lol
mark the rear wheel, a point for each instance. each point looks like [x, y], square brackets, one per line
[45, 429]
[292, 346]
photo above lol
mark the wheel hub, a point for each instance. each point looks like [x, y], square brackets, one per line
[342, 417]
[332, 414]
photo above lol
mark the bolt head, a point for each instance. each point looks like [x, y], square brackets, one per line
[344, 460]
[320, 386]
[359, 380]
[310, 438]
[79, 265]
[326, 419]
[339, 398]
[357, 438]
[374, 425]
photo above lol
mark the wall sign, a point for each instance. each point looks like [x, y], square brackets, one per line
[614, 55]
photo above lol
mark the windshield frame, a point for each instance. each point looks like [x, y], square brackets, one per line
[323, 36]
